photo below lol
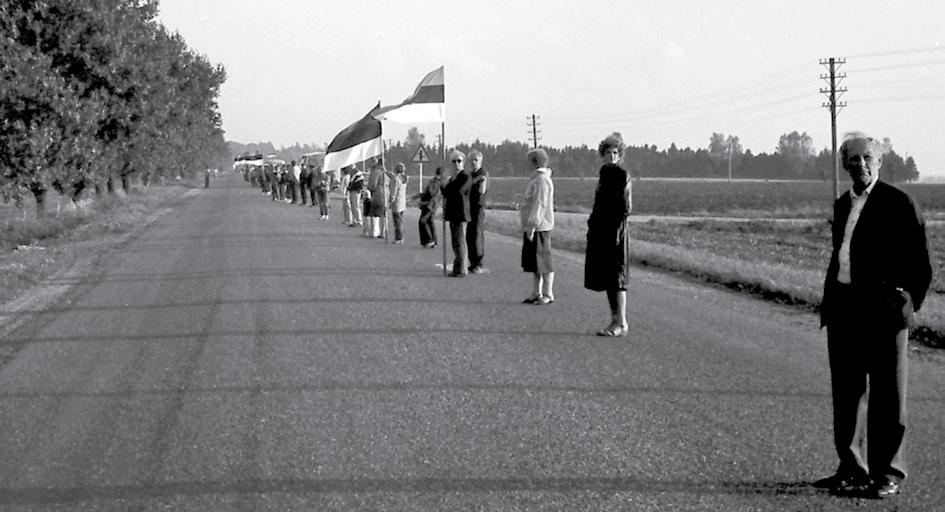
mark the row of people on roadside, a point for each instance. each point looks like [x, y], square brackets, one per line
[607, 259]
[295, 183]
[366, 200]
[462, 196]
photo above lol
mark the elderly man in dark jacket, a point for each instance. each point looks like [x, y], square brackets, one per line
[456, 211]
[877, 279]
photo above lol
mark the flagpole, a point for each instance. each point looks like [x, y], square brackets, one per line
[386, 195]
[443, 163]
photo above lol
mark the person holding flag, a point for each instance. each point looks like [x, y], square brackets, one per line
[358, 142]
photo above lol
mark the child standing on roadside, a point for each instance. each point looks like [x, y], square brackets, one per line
[368, 227]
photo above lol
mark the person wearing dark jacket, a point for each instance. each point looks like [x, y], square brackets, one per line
[429, 202]
[475, 238]
[877, 279]
[607, 258]
[456, 212]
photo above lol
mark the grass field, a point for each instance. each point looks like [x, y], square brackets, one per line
[748, 199]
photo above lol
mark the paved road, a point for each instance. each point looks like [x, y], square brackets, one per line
[240, 354]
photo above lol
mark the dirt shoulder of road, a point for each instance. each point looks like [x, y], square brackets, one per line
[35, 276]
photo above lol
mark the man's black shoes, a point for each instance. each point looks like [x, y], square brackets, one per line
[844, 485]
[859, 486]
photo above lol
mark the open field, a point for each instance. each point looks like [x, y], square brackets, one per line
[747, 199]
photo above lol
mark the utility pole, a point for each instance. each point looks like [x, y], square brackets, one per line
[832, 94]
[533, 129]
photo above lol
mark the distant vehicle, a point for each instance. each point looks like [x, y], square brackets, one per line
[249, 165]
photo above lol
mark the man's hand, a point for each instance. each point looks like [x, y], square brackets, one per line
[530, 234]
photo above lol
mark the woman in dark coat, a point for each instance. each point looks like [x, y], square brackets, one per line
[607, 261]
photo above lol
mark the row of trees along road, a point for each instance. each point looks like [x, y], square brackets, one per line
[794, 158]
[93, 91]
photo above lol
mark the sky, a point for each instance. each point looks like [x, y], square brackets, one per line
[659, 71]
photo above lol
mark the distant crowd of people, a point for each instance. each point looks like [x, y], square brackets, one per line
[295, 183]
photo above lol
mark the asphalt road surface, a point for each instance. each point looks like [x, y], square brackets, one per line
[241, 354]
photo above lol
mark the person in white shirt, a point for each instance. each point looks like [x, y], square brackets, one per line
[877, 279]
[398, 201]
[537, 213]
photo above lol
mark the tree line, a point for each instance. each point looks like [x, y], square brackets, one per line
[98, 91]
[794, 157]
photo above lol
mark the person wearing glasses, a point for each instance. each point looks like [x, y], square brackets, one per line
[456, 211]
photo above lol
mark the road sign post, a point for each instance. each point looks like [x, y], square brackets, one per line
[420, 156]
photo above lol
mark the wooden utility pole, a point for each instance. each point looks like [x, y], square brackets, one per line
[533, 129]
[833, 92]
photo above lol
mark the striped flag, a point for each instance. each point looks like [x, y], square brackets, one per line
[427, 104]
[358, 142]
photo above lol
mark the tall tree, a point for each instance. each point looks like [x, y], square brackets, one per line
[414, 138]
[797, 150]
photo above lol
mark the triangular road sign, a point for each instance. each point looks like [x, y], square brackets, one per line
[420, 155]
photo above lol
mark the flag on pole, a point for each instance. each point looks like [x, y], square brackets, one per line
[359, 141]
[427, 104]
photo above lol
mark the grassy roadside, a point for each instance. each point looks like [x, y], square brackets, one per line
[784, 265]
[33, 249]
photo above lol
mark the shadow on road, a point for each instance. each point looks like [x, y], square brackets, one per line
[366, 301]
[459, 387]
[73, 495]
[393, 272]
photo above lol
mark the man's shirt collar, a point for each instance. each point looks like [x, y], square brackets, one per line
[866, 192]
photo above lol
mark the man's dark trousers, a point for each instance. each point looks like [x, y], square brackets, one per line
[460, 251]
[868, 367]
[475, 240]
[426, 226]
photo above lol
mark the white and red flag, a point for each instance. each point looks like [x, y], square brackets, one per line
[427, 104]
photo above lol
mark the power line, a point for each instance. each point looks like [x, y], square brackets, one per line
[897, 52]
[899, 66]
[897, 82]
[897, 99]
[711, 98]
[688, 115]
